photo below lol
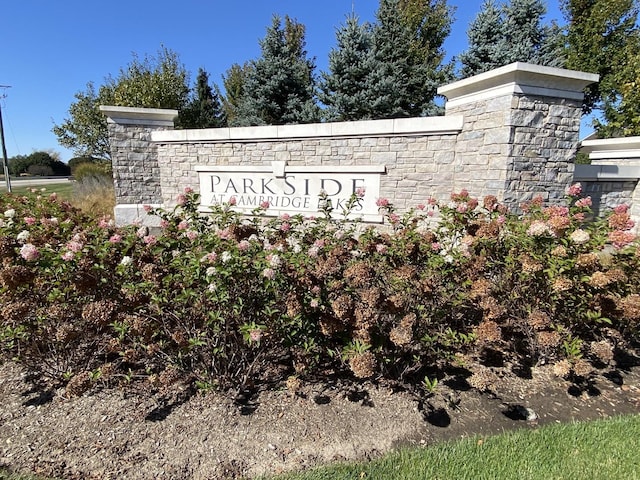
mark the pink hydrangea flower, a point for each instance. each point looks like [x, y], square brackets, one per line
[150, 239]
[74, 246]
[584, 202]
[233, 201]
[115, 238]
[360, 191]
[244, 245]
[623, 208]
[382, 202]
[285, 227]
[435, 246]
[314, 303]
[183, 225]
[421, 206]
[264, 205]
[29, 252]
[164, 223]
[181, 200]
[67, 256]
[191, 235]
[574, 190]
[146, 208]
[394, 218]
[188, 190]
[29, 220]
[381, 248]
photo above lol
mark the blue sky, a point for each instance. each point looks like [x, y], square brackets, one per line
[50, 50]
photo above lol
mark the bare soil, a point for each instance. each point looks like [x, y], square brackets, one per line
[112, 434]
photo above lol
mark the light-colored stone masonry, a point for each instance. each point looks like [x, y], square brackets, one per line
[612, 177]
[511, 132]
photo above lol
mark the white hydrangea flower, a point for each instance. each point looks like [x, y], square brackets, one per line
[23, 236]
[126, 260]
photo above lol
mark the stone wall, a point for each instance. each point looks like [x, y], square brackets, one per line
[511, 132]
[612, 177]
[418, 161]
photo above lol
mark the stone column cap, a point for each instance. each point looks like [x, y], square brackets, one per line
[611, 148]
[519, 77]
[161, 117]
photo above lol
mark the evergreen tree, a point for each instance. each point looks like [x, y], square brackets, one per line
[280, 87]
[485, 35]
[347, 90]
[513, 32]
[429, 23]
[408, 38]
[203, 109]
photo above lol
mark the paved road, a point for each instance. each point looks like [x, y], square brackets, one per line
[32, 182]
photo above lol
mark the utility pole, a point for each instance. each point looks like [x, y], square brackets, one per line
[5, 163]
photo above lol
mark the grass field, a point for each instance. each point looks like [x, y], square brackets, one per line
[64, 189]
[604, 449]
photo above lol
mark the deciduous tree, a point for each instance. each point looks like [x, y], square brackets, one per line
[153, 82]
[604, 38]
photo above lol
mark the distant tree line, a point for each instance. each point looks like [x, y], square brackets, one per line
[386, 69]
[38, 164]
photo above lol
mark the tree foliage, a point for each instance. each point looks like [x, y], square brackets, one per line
[234, 84]
[279, 87]
[204, 109]
[513, 32]
[346, 89]
[408, 38]
[153, 82]
[392, 68]
[603, 38]
[38, 163]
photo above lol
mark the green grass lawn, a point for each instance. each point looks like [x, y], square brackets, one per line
[605, 449]
[64, 189]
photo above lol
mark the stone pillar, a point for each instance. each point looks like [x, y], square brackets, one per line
[134, 157]
[520, 132]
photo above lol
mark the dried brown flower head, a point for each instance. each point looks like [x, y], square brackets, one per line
[363, 365]
[588, 261]
[342, 306]
[492, 308]
[480, 288]
[78, 384]
[484, 380]
[549, 339]
[99, 313]
[488, 331]
[630, 307]
[538, 320]
[599, 280]
[529, 265]
[562, 368]
[561, 284]
[358, 274]
[602, 350]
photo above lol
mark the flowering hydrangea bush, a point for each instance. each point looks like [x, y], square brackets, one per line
[226, 301]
